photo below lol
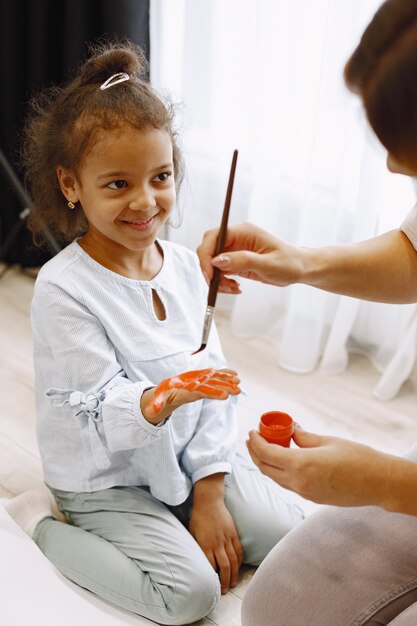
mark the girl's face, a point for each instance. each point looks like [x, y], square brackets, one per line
[125, 186]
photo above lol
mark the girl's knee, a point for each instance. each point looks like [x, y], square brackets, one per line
[270, 531]
[194, 598]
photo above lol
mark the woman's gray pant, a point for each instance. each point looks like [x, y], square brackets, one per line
[341, 567]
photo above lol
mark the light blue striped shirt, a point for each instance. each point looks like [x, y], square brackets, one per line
[97, 346]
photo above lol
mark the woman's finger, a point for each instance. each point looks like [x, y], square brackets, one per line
[280, 476]
[206, 251]
[270, 453]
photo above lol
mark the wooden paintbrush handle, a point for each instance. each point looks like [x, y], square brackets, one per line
[214, 286]
[221, 239]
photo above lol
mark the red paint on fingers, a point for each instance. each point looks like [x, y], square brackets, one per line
[210, 382]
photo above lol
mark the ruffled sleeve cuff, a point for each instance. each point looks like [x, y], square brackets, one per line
[220, 467]
[124, 424]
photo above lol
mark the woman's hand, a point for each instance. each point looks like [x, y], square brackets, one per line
[327, 470]
[171, 393]
[213, 528]
[250, 252]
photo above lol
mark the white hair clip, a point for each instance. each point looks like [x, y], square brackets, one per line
[114, 80]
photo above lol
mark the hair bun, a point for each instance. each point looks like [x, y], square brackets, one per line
[108, 59]
[389, 25]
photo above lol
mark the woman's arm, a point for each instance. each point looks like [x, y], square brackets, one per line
[382, 269]
[330, 470]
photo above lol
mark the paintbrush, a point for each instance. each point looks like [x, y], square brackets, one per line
[221, 241]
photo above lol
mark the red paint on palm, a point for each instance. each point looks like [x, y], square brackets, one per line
[209, 382]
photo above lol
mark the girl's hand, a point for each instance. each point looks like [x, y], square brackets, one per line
[213, 528]
[187, 387]
[327, 470]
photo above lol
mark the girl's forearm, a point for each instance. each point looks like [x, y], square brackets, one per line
[209, 490]
[382, 269]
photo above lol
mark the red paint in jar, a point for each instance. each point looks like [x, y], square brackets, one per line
[277, 427]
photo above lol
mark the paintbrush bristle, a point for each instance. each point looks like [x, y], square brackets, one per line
[203, 345]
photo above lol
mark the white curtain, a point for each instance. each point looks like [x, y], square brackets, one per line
[266, 77]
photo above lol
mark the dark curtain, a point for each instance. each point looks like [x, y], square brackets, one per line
[41, 44]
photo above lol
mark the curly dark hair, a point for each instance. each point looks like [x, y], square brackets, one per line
[383, 71]
[63, 123]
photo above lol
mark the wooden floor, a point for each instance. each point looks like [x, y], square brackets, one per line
[342, 405]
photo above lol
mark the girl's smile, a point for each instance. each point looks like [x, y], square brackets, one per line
[140, 225]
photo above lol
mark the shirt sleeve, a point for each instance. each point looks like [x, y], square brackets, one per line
[87, 379]
[409, 226]
[212, 448]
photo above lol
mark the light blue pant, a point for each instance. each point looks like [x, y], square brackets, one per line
[140, 556]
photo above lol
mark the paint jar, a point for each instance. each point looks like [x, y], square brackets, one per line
[277, 427]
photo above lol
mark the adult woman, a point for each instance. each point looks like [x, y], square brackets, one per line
[357, 565]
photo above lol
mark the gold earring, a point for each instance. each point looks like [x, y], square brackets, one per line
[71, 205]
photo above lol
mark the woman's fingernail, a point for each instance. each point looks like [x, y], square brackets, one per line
[221, 261]
[206, 278]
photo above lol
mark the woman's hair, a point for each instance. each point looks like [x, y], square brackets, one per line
[383, 71]
[63, 123]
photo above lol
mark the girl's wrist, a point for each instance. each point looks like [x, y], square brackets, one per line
[146, 401]
[209, 491]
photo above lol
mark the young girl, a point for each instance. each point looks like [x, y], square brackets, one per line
[135, 446]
